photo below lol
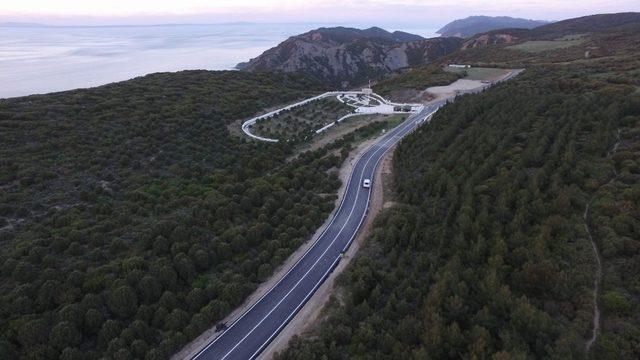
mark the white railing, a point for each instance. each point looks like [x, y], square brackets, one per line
[246, 126]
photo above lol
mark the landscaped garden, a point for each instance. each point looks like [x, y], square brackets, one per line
[301, 123]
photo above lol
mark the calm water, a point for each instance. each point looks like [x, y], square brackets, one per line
[37, 60]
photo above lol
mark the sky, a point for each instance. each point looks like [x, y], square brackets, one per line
[433, 12]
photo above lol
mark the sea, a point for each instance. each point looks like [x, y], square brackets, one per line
[38, 59]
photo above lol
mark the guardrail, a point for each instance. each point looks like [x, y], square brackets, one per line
[326, 127]
[247, 124]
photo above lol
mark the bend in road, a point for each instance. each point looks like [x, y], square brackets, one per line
[255, 329]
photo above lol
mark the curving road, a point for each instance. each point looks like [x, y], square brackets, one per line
[260, 324]
[255, 329]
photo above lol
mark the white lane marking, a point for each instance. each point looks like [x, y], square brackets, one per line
[306, 298]
[307, 272]
[407, 124]
[337, 259]
[335, 216]
[369, 195]
[321, 255]
[303, 255]
[399, 129]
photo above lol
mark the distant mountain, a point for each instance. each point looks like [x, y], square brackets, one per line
[21, 24]
[347, 56]
[342, 34]
[608, 28]
[479, 24]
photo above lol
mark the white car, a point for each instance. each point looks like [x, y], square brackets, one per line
[366, 183]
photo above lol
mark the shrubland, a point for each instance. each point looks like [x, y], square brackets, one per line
[132, 220]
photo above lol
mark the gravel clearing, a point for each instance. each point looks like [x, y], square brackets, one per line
[460, 84]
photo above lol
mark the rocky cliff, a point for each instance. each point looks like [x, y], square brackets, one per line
[347, 56]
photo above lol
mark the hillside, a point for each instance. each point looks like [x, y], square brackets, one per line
[500, 203]
[473, 25]
[592, 23]
[345, 56]
[344, 34]
[406, 85]
[135, 216]
[581, 39]
[486, 255]
[131, 220]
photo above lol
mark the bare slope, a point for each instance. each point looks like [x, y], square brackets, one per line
[345, 56]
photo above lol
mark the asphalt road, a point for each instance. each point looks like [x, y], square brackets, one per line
[261, 323]
[254, 330]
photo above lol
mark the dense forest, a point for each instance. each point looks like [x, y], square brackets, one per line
[487, 254]
[131, 219]
[134, 216]
[614, 211]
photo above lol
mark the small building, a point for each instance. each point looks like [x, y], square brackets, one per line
[461, 66]
[367, 91]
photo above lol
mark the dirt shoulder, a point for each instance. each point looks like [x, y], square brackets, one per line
[309, 315]
[201, 341]
[381, 198]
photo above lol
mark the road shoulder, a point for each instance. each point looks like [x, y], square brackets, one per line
[191, 349]
[310, 314]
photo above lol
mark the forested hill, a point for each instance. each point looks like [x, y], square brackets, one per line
[591, 23]
[131, 220]
[487, 254]
[473, 25]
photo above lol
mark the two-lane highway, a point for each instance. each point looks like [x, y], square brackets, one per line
[255, 329]
[262, 322]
